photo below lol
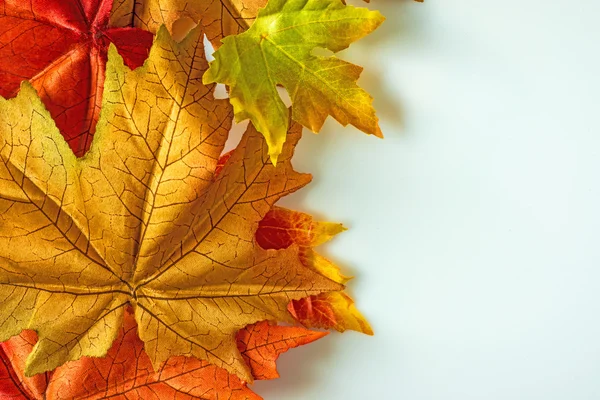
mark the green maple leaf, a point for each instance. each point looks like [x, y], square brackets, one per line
[278, 50]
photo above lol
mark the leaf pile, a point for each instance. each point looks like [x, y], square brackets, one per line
[150, 265]
[276, 50]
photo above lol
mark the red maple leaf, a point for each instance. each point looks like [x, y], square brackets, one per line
[61, 47]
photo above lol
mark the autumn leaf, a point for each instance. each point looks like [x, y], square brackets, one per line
[333, 310]
[262, 343]
[127, 372]
[60, 46]
[328, 93]
[282, 228]
[278, 50]
[118, 374]
[142, 220]
[13, 382]
[219, 18]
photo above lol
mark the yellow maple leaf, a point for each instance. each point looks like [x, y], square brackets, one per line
[143, 219]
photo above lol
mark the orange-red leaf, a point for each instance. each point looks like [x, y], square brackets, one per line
[126, 372]
[13, 383]
[61, 47]
[333, 310]
[11, 387]
[281, 228]
[261, 344]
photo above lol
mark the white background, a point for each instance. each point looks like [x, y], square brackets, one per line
[474, 224]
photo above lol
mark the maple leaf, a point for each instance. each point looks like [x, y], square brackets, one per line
[332, 89]
[282, 228]
[117, 374]
[277, 50]
[333, 310]
[60, 46]
[142, 220]
[13, 384]
[219, 18]
[261, 344]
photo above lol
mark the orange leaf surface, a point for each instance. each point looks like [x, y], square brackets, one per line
[218, 18]
[261, 344]
[13, 382]
[61, 47]
[126, 372]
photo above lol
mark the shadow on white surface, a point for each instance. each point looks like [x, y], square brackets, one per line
[474, 225]
[308, 369]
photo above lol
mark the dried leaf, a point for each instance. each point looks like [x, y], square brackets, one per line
[126, 371]
[219, 18]
[278, 50]
[333, 310]
[142, 220]
[60, 46]
[282, 228]
[261, 344]
[12, 385]
[12, 372]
